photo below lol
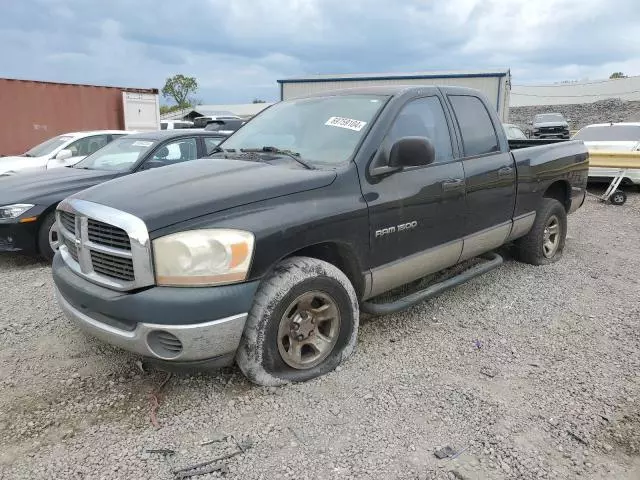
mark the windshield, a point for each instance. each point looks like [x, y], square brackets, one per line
[549, 117]
[323, 130]
[119, 155]
[47, 147]
[609, 133]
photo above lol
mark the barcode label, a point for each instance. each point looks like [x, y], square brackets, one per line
[348, 123]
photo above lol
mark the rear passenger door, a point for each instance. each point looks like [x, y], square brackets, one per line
[416, 215]
[490, 176]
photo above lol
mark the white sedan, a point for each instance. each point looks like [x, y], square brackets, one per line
[623, 137]
[61, 151]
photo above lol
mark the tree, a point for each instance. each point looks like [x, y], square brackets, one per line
[180, 88]
[617, 75]
[257, 100]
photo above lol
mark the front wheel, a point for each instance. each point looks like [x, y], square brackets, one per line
[545, 241]
[303, 323]
[48, 237]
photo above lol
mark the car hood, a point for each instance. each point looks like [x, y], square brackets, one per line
[48, 186]
[550, 124]
[613, 146]
[15, 164]
[173, 194]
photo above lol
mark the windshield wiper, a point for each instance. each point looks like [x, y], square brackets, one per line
[277, 151]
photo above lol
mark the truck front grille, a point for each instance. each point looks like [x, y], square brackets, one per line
[105, 234]
[107, 246]
[68, 221]
[112, 266]
[71, 248]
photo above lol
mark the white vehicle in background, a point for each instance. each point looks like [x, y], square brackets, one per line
[513, 132]
[175, 124]
[201, 122]
[61, 151]
[623, 137]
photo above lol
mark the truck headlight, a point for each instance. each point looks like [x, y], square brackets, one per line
[11, 212]
[203, 257]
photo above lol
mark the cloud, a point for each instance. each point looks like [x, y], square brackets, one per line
[238, 49]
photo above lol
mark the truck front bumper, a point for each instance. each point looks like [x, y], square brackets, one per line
[189, 327]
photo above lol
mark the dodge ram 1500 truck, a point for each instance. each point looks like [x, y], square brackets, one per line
[268, 252]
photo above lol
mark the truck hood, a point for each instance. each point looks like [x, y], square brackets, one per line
[15, 164]
[614, 146]
[48, 186]
[550, 124]
[173, 194]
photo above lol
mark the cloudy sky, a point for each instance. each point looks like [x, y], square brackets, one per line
[237, 49]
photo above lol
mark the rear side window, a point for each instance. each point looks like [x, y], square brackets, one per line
[478, 135]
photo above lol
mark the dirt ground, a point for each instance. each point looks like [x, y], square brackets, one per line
[526, 372]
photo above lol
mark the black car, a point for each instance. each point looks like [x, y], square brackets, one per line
[550, 125]
[28, 200]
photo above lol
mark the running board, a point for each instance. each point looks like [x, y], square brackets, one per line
[494, 261]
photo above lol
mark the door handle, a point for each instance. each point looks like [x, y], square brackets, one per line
[452, 184]
[505, 171]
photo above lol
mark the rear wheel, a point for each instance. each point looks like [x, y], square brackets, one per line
[303, 323]
[48, 237]
[545, 241]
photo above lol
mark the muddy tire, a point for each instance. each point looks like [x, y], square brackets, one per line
[545, 241]
[303, 323]
[48, 237]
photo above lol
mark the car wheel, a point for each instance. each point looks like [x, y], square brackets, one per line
[618, 197]
[48, 237]
[303, 323]
[545, 241]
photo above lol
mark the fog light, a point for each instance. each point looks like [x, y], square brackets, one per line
[163, 344]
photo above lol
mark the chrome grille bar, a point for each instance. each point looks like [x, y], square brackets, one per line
[104, 245]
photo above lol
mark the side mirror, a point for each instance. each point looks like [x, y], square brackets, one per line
[411, 152]
[150, 164]
[64, 154]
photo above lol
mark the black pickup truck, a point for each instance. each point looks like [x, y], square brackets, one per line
[311, 211]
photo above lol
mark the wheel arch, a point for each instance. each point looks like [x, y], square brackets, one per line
[561, 191]
[338, 254]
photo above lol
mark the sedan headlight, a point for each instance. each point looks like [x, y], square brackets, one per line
[11, 212]
[203, 257]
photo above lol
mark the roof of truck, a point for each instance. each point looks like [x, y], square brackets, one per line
[390, 90]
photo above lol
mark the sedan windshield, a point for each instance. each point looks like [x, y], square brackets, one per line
[609, 133]
[47, 147]
[549, 117]
[120, 155]
[321, 130]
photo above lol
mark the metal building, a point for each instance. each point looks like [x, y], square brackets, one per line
[494, 84]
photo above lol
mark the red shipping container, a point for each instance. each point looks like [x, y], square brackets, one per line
[32, 111]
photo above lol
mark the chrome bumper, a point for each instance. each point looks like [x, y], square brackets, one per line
[186, 343]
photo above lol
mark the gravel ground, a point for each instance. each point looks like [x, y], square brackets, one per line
[527, 372]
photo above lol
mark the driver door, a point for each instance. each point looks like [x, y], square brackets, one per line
[417, 215]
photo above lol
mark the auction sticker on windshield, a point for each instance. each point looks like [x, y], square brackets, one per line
[348, 123]
[141, 143]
